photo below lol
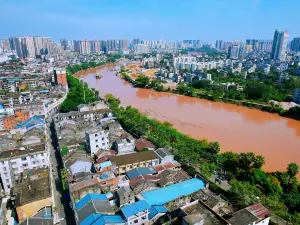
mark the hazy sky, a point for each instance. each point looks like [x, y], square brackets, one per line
[172, 20]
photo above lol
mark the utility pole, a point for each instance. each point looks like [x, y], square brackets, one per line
[83, 89]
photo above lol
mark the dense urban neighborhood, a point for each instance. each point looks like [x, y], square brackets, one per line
[69, 155]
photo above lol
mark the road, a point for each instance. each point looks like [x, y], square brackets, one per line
[62, 201]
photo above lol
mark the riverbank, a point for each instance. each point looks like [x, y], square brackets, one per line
[246, 168]
[293, 113]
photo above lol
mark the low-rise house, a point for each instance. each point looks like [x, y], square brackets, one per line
[124, 146]
[128, 162]
[32, 193]
[97, 218]
[92, 204]
[175, 195]
[96, 139]
[14, 162]
[131, 174]
[77, 161]
[197, 213]
[43, 217]
[142, 185]
[169, 177]
[252, 215]
[125, 196]
[105, 167]
[97, 184]
[143, 144]
[93, 115]
[94, 106]
[165, 156]
[218, 203]
[104, 155]
[137, 213]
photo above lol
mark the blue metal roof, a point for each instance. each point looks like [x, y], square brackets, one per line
[109, 220]
[104, 176]
[174, 191]
[99, 219]
[154, 210]
[105, 164]
[34, 119]
[89, 197]
[44, 91]
[131, 174]
[134, 208]
[90, 219]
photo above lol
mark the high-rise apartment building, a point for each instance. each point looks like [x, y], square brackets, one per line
[64, 43]
[265, 45]
[295, 44]
[142, 49]
[253, 43]
[233, 52]
[219, 44]
[136, 42]
[123, 44]
[279, 45]
[30, 49]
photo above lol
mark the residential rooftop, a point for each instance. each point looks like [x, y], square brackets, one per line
[133, 158]
[26, 150]
[166, 194]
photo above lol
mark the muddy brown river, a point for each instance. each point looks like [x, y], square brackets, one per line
[236, 128]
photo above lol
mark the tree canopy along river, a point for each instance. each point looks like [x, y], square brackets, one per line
[236, 128]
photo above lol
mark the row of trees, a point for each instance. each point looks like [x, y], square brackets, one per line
[79, 93]
[279, 191]
[142, 81]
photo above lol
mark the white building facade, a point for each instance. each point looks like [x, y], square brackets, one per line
[97, 139]
[16, 161]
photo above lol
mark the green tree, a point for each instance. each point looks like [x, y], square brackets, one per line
[292, 169]
[213, 147]
[244, 193]
[142, 81]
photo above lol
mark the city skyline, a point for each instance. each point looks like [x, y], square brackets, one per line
[152, 20]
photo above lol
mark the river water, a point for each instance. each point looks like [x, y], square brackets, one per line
[236, 128]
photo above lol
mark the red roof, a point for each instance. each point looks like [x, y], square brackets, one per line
[159, 168]
[104, 158]
[258, 210]
[141, 143]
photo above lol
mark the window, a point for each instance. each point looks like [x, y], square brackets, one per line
[25, 165]
[4, 168]
[23, 159]
[8, 186]
[135, 221]
[42, 154]
[5, 174]
[103, 139]
[97, 146]
[96, 140]
[31, 156]
[43, 160]
[33, 162]
[103, 144]
[96, 135]
[7, 180]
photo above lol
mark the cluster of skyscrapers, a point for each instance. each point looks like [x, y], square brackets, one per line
[277, 47]
[32, 47]
[95, 46]
[295, 45]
